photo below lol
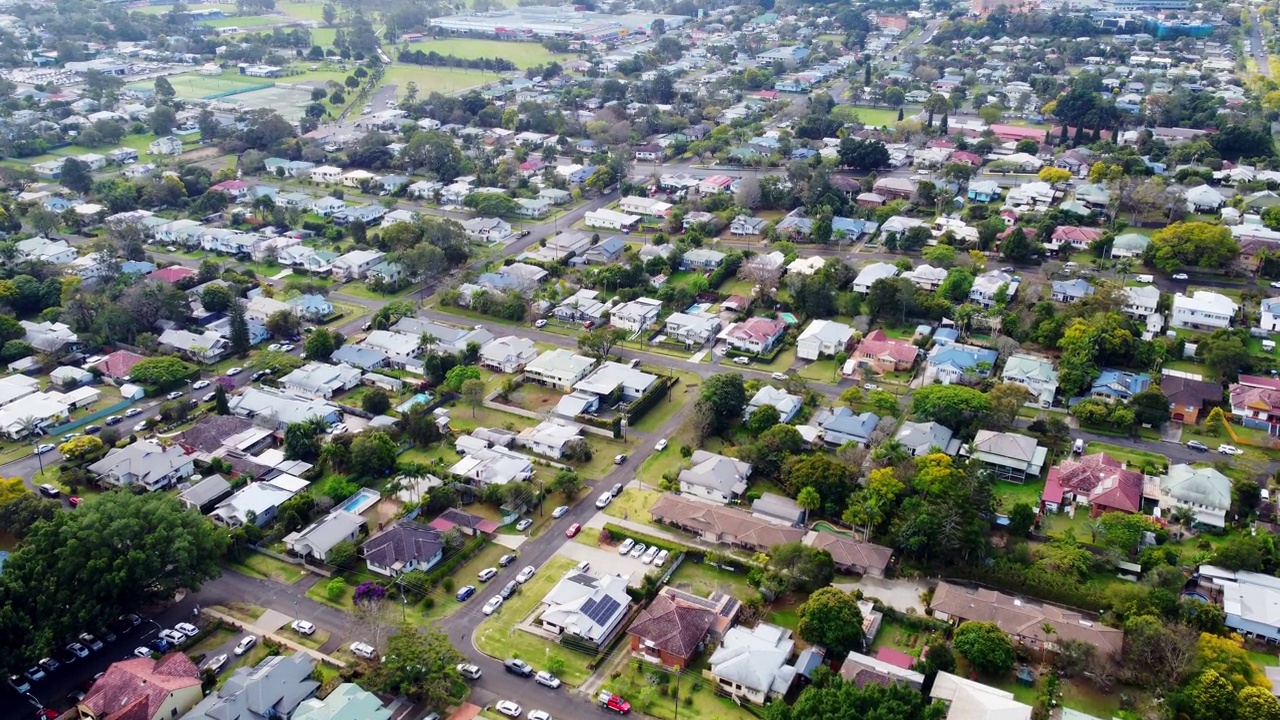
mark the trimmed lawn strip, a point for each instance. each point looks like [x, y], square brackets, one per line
[633, 504]
[315, 641]
[270, 568]
[703, 579]
[1135, 458]
[211, 642]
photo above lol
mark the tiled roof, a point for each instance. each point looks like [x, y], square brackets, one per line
[1185, 391]
[171, 274]
[209, 434]
[672, 627]
[120, 363]
[877, 344]
[758, 329]
[741, 526]
[1102, 479]
[1024, 618]
[136, 689]
[848, 552]
[402, 543]
[1070, 233]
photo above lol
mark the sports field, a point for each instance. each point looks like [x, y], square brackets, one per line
[195, 86]
[290, 103]
[244, 22]
[523, 54]
[436, 79]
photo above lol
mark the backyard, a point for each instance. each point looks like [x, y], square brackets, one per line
[1136, 459]
[701, 578]
[695, 696]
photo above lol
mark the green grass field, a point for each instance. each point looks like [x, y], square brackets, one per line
[877, 116]
[524, 54]
[194, 86]
[435, 79]
[302, 10]
[243, 22]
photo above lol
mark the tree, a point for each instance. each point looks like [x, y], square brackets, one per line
[376, 401]
[1216, 422]
[1225, 353]
[75, 176]
[421, 664]
[335, 588]
[1006, 399]
[808, 499]
[1123, 531]
[1053, 175]
[1194, 244]
[597, 342]
[343, 554]
[20, 514]
[162, 120]
[985, 646]
[1150, 407]
[216, 298]
[1227, 657]
[831, 618]
[764, 417]
[283, 324]
[951, 405]
[81, 447]
[458, 375]
[1257, 703]
[1209, 696]
[835, 699]
[567, 483]
[164, 88]
[1021, 517]
[473, 393]
[240, 340]
[802, 567]
[120, 551]
[302, 440]
[373, 454]
[722, 399]
[321, 344]
[163, 372]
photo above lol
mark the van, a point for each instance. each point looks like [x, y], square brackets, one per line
[1078, 448]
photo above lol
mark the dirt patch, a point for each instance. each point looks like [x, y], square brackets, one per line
[206, 153]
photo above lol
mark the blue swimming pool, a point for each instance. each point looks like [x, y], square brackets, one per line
[361, 501]
[1196, 596]
[416, 399]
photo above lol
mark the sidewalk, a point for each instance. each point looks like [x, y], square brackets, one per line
[265, 634]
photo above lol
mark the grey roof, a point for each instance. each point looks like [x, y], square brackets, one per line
[326, 532]
[755, 658]
[717, 472]
[779, 507]
[206, 491]
[358, 356]
[140, 462]
[270, 689]
[404, 542]
[919, 437]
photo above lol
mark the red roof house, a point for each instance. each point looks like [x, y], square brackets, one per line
[1017, 132]
[1099, 481]
[171, 274]
[885, 354]
[896, 658]
[119, 363]
[757, 334]
[1077, 237]
[1256, 400]
[669, 631]
[145, 689]
[966, 157]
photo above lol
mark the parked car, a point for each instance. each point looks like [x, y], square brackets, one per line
[247, 642]
[173, 636]
[93, 430]
[216, 664]
[661, 559]
[273, 346]
[464, 593]
[20, 683]
[364, 650]
[626, 545]
[560, 511]
[113, 420]
[132, 412]
[1180, 276]
[1229, 450]
[509, 589]
[540, 323]
[506, 560]
[547, 679]
[616, 490]
[258, 375]
[870, 386]
[524, 524]
[492, 606]
[90, 641]
[200, 384]
[574, 529]
[508, 708]
[35, 673]
[187, 629]
[161, 645]
[142, 652]
[1197, 446]
[603, 501]
[638, 550]
[232, 372]
[174, 395]
[582, 566]
[613, 703]
[661, 445]
[538, 714]
[467, 670]
[517, 667]
[526, 573]
[46, 447]
[779, 376]
[50, 491]
[650, 555]
[619, 459]
[742, 360]
[302, 627]
[487, 574]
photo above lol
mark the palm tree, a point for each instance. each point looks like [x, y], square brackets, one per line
[1049, 631]
[808, 499]
[1093, 527]
[429, 342]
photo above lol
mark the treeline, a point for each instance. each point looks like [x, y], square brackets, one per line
[435, 59]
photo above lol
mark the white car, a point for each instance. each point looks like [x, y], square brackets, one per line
[742, 360]
[560, 512]
[42, 449]
[626, 546]
[540, 714]
[603, 501]
[638, 550]
[1230, 450]
[173, 636]
[524, 524]
[232, 372]
[779, 376]
[487, 574]
[467, 670]
[508, 708]
[525, 574]
[492, 606]
[287, 347]
[273, 346]
[131, 412]
[545, 678]
[174, 395]
[187, 629]
[140, 426]
[142, 652]
[216, 663]
[870, 386]
[661, 559]
[247, 642]
[662, 445]
[200, 384]
[650, 555]
[363, 650]
[1181, 276]
[302, 627]
[540, 323]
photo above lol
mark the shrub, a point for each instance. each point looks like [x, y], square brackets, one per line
[335, 587]
[447, 584]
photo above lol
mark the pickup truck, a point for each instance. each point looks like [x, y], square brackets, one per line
[613, 703]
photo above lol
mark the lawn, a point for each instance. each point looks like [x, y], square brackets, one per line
[361, 290]
[782, 362]
[659, 414]
[877, 117]
[1135, 458]
[212, 641]
[898, 637]
[302, 11]
[703, 579]
[256, 564]
[697, 699]
[737, 286]
[523, 54]
[661, 463]
[824, 371]
[1008, 494]
[499, 636]
[633, 504]
[467, 418]
[242, 611]
[315, 640]
[1186, 366]
[534, 397]
[435, 79]
[241, 22]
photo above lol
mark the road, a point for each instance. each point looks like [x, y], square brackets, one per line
[1257, 46]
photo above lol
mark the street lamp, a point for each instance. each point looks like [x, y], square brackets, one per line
[35, 445]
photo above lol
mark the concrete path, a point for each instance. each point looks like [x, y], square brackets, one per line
[510, 541]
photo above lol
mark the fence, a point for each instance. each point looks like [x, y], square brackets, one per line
[489, 403]
[72, 425]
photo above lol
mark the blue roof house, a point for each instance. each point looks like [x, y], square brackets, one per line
[950, 362]
[984, 191]
[1118, 385]
[842, 425]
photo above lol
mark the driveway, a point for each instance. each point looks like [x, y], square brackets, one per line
[606, 560]
[900, 594]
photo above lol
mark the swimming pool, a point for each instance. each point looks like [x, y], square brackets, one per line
[407, 405]
[1196, 596]
[361, 501]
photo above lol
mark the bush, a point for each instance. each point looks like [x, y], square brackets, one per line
[335, 588]
[428, 603]
[447, 584]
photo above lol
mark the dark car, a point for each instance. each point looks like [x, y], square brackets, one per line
[518, 667]
[49, 665]
[93, 429]
[506, 560]
[1198, 446]
[107, 635]
[64, 656]
[132, 619]
[524, 233]
[509, 589]
[465, 592]
[258, 375]
[160, 645]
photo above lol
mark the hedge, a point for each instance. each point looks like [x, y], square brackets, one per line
[645, 402]
[446, 568]
[620, 532]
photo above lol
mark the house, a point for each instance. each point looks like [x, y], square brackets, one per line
[1118, 385]
[691, 328]
[393, 344]
[44, 409]
[714, 184]
[987, 286]
[1141, 302]
[257, 503]
[755, 335]
[487, 229]
[744, 225]
[753, 664]
[1203, 310]
[1079, 238]
[1036, 374]
[672, 629]
[49, 337]
[806, 266]
[403, 547]
[1249, 600]
[318, 538]
[647, 206]
[551, 438]
[348, 701]
[984, 191]
[311, 307]
[321, 380]
[359, 356]
[561, 247]
[1256, 401]
[606, 252]
[971, 700]
[925, 438]
[168, 145]
[1205, 491]
[864, 670]
[1070, 290]
[721, 524]
[823, 337]
[1097, 481]
[615, 380]
[204, 493]
[447, 338]
[926, 277]
[611, 219]
[144, 689]
[507, 354]
[171, 274]
[356, 264]
[842, 425]
[637, 315]
[1129, 245]
[143, 464]
[714, 477]
[582, 306]
[586, 606]
[485, 466]
[283, 406]
[1204, 199]
[870, 274]
[883, 354]
[270, 690]
[1023, 619]
[533, 207]
[42, 249]
[784, 402]
[850, 555]
[894, 188]
[777, 509]
[1188, 396]
[1008, 456]
[558, 368]
[701, 259]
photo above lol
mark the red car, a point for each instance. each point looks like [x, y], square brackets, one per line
[573, 530]
[46, 714]
[74, 501]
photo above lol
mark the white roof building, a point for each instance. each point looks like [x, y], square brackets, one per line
[970, 700]
[587, 606]
[871, 273]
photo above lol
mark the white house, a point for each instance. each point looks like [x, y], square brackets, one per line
[692, 328]
[610, 219]
[508, 354]
[1203, 310]
[636, 315]
[871, 273]
[487, 230]
[714, 477]
[926, 277]
[144, 464]
[168, 145]
[823, 337]
[1270, 319]
[987, 285]
[1036, 374]
[321, 380]
[325, 174]
[357, 263]
[1141, 302]
[585, 606]
[558, 368]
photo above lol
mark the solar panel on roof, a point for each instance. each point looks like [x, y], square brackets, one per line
[599, 611]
